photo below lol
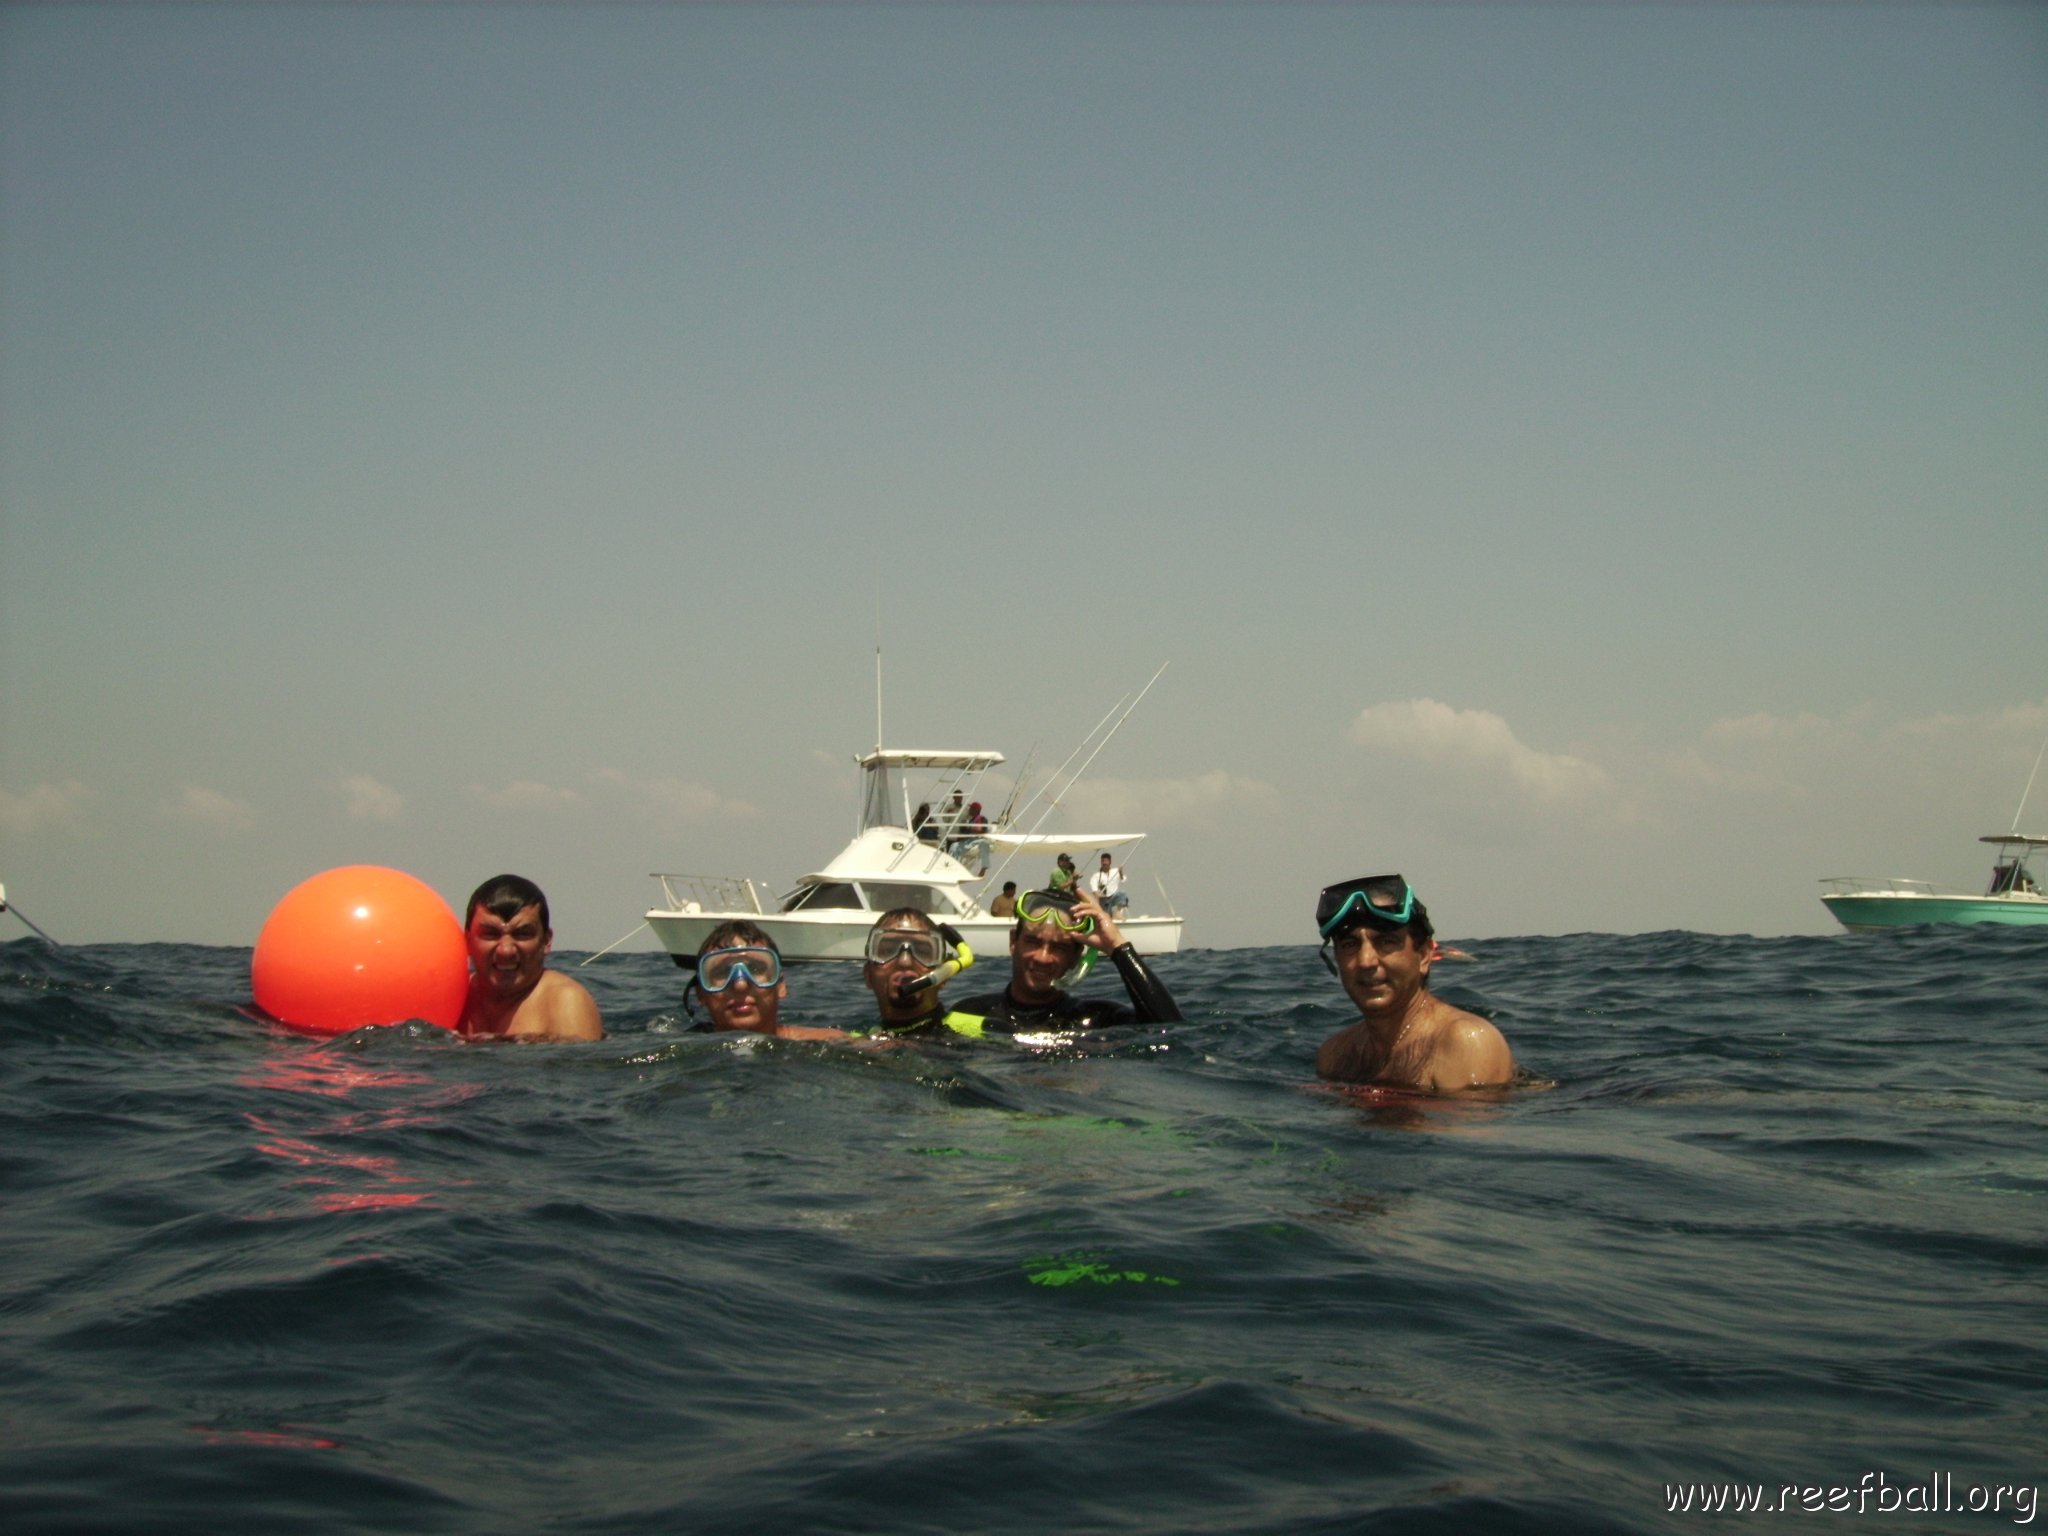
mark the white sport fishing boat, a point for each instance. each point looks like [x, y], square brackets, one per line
[948, 867]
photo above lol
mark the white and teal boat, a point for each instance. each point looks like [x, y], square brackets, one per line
[2013, 896]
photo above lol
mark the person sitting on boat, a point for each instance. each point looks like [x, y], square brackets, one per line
[512, 994]
[1052, 932]
[971, 848]
[739, 976]
[1405, 1038]
[922, 825]
[909, 957]
[1005, 905]
[1106, 885]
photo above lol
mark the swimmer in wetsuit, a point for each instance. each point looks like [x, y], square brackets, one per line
[1052, 932]
[909, 957]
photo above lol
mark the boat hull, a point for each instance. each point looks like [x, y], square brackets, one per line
[842, 934]
[1871, 910]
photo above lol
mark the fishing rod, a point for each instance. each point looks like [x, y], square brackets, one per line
[1119, 724]
[1052, 804]
[1055, 778]
[1075, 777]
[1017, 788]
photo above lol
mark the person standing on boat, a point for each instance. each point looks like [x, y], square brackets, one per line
[971, 848]
[512, 994]
[1005, 905]
[1404, 1038]
[1063, 873]
[739, 976]
[1106, 885]
[1051, 934]
[908, 959]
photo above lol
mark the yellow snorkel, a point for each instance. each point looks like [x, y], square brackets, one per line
[962, 958]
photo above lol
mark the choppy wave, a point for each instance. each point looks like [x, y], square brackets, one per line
[1770, 1212]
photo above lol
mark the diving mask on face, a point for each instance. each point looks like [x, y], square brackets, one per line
[928, 949]
[1387, 899]
[719, 968]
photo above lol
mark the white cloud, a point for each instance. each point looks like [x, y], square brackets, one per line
[1767, 727]
[1148, 805]
[1474, 741]
[523, 795]
[371, 800]
[209, 808]
[42, 805]
[676, 801]
[2017, 722]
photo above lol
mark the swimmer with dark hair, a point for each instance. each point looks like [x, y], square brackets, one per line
[909, 957]
[1053, 931]
[1404, 1038]
[512, 993]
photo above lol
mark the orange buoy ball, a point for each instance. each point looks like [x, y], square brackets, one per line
[361, 945]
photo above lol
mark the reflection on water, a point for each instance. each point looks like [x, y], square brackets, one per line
[331, 1100]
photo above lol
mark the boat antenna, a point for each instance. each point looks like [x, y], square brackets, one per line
[878, 659]
[2016, 815]
[25, 918]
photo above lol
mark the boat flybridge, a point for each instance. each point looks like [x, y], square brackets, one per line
[939, 863]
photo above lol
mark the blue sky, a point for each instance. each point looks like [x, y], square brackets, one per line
[1593, 459]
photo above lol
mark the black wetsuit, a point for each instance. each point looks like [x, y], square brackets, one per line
[1150, 1003]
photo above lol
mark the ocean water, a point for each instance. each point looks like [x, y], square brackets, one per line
[1775, 1215]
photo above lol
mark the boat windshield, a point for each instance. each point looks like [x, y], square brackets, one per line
[919, 898]
[831, 894]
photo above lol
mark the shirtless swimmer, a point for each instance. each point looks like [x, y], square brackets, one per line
[1405, 1038]
[512, 994]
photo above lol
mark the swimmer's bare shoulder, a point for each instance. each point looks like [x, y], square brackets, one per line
[558, 1008]
[1468, 1053]
[1450, 1051]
